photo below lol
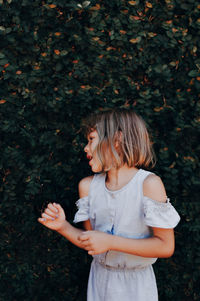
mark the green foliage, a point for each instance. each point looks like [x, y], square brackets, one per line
[60, 61]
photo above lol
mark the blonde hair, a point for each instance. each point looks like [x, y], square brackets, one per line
[126, 129]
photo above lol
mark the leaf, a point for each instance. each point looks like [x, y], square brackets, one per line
[132, 3]
[194, 73]
[56, 51]
[96, 7]
[149, 5]
[63, 52]
[57, 34]
[152, 34]
[86, 4]
[136, 40]
[52, 5]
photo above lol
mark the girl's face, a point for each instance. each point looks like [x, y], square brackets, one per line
[93, 140]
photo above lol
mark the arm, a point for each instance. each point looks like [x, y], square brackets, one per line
[161, 244]
[54, 217]
[83, 188]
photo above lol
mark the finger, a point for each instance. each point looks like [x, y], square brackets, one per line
[58, 207]
[52, 208]
[50, 213]
[41, 220]
[83, 237]
[87, 248]
[86, 244]
[91, 252]
[44, 215]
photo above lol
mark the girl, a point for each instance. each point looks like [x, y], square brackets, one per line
[127, 216]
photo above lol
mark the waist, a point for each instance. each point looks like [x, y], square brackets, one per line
[120, 268]
[123, 261]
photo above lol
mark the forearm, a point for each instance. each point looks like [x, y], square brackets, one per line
[71, 233]
[147, 247]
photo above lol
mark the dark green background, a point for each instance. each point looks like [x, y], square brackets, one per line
[58, 62]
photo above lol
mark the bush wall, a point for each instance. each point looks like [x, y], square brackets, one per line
[59, 61]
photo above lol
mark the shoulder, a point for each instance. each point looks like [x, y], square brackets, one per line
[153, 188]
[84, 186]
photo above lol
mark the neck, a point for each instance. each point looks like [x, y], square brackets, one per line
[117, 178]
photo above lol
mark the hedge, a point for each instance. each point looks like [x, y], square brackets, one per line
[59, 61]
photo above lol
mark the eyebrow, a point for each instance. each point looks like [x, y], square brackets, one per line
[92, 133]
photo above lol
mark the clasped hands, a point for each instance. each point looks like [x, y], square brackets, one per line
[95, 242]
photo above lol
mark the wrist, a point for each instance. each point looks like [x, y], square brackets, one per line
[63, 227]
[115, 242]
[111, 242]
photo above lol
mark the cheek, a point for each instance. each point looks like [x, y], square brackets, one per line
[95, 157]
[96, 161]
[95, 143]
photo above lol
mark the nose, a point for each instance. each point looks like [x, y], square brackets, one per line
[86, 148]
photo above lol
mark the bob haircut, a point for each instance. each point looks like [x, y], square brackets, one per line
[123, 139]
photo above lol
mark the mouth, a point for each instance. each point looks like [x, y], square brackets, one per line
[89, 158]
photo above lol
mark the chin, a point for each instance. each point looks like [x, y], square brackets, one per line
[96, 169]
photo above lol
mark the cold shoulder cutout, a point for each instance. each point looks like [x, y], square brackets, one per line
[83, 202]
[83, 210]
[160, 215]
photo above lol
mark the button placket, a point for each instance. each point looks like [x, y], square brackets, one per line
[112, 211]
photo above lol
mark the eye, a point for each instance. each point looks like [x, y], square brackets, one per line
[91, 138]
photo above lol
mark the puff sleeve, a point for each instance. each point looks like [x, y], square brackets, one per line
[83, 210]
[160, 215]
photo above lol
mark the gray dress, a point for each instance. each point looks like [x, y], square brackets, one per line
[128, 213]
